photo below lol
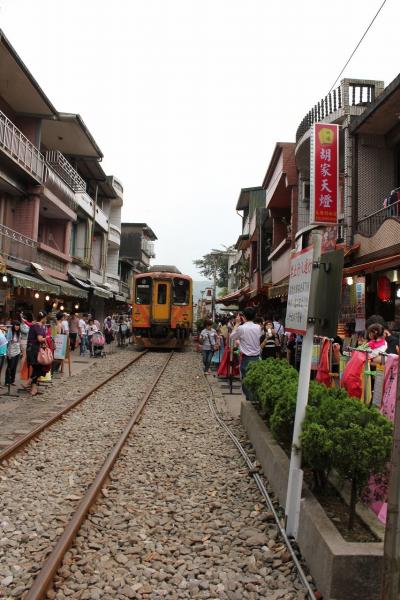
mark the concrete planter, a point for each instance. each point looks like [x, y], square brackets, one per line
[342, 570]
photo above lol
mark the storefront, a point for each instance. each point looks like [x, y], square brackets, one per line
[372, 290]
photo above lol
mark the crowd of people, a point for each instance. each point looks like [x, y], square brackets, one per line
[255, 338]
[28, 344]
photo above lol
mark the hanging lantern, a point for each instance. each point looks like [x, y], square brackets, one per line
[383, 288]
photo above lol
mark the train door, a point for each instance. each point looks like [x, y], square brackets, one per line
[161, 300]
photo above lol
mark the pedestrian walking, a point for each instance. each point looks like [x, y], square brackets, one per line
[208, 340]
[73, 331]
[13, 351]
[91, 329]
[248, 335]
[83, 336]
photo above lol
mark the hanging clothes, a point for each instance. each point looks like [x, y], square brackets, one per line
[353, 375]
[323, 370]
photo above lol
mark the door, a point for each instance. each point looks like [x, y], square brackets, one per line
[161, 300]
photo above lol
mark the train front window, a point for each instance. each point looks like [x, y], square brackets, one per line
[162, 294]
[143, 291]
[181, 291]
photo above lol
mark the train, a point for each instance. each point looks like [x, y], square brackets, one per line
[162, 308]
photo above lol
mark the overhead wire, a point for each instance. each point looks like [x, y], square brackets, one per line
[358, 45]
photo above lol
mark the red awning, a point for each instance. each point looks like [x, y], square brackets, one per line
[372, 265]
[232, 296]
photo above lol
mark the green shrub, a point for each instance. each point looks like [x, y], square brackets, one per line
[344, 434]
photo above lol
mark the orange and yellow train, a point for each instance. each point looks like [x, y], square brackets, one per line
[162, 309]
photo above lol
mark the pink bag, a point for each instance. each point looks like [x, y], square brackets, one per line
[45, 356]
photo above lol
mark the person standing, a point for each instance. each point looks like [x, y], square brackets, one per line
[64, 324]
[248, 335]
[268, 341]
[73, 331]
[36, 337]
[13, 352]
[392, 342]
[208, 340]
[83, 335]
[91, 329]
[3, 347]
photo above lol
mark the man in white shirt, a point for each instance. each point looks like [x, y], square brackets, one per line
[83, 335]
[248, 335]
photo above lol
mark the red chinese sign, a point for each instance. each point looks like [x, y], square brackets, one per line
[325, 173]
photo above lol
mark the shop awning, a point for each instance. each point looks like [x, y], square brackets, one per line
[278, 291]
[33, 283]
[66, 289]
[80, 282]
[229, 297]
[100, 292]
[372, 265]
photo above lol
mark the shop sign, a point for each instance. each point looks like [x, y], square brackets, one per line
[60, 346]
[3, 266]
[301, 267]
[324, 179]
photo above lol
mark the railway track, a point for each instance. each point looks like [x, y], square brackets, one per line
[176, 517]
[51, 480]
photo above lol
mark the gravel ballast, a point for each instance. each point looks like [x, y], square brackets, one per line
[180, 517]
[41, 486]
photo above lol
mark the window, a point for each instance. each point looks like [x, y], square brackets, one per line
[162, 293]
[74, 237]
[143, 290]
[180, 291]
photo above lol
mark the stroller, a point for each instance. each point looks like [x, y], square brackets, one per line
[98, 342]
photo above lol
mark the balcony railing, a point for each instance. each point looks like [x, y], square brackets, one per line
[347, 94]
[65, 170]
[20, 149]
[369, 225]
[15, 245]
[124, 289]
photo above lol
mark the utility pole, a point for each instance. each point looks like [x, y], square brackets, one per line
[391, 551]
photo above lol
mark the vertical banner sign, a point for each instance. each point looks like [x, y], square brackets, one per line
[360, 303]
[301, 266]
[324, 178]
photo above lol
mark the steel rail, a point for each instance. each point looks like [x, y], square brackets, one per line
[262, 489]
[22, 441]
[46, 574]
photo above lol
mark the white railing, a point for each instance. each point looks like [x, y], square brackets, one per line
[20, 149]
[65, 170]
[16, 245]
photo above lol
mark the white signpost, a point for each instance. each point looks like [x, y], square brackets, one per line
[301, 266]
[302, 272]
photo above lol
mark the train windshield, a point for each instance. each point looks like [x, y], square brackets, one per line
[181, 291]
[143, 290]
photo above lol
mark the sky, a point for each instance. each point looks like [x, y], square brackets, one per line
[187, 98]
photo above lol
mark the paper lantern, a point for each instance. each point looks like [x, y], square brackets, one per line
[384, 290]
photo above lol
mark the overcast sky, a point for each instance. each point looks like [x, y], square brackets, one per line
[187, 98]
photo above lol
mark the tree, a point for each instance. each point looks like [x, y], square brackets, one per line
[215, 263]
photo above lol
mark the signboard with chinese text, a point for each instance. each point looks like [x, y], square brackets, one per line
[60, 346]
[301, 267]
[324, 178]
[360, 302]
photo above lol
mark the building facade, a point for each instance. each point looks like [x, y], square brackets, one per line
[60, 214]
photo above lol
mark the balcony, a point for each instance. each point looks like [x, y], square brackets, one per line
[357, 93]
[101, 219]
[148, 248]
[124, 289]
[15, 246]
[85, 202]
[17, 147]
[114, 235]
[369, 225]
[46, 258]
[65, 171]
